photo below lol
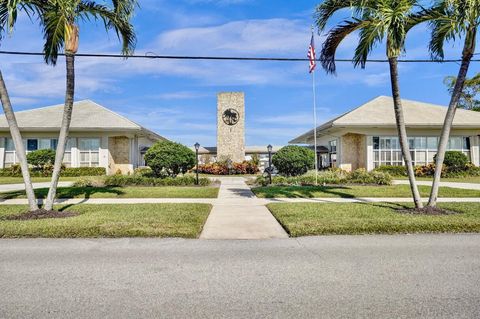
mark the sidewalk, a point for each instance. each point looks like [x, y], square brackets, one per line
[20, 187]
[238, 214]
[442, 184]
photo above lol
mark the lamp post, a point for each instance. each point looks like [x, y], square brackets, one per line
[197, 146]
[269, 148]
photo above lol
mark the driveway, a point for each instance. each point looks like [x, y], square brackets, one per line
[411, 276]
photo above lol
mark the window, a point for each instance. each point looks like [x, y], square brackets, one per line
[386, 150]
[332, 145]
[89, 152]
[32, 145]
[67, 158]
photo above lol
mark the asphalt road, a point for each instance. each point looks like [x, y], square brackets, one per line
[424, 276]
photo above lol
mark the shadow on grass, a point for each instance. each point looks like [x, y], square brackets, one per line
[302, 191]
[66, 192]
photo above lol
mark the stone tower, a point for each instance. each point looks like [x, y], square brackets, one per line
[231, 126]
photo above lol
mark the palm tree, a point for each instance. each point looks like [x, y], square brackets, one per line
[450, 19]
[469, 99]
[377, 20]
[8, 14]
[60, 20]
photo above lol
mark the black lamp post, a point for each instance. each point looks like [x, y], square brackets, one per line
[197, 146]
[269, 148]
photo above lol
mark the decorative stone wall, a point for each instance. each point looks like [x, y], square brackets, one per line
[231, 126]
[354, 150]
[119, 150]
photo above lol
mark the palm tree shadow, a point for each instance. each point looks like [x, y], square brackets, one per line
[305, 191]
[66, 192]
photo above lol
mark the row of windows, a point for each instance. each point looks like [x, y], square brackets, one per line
[386, 149]
[88, 150]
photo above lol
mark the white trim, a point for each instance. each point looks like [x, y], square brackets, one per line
[369, 153]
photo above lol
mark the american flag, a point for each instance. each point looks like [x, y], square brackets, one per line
[311, 55]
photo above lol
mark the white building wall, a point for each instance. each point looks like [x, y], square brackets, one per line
[2, 152]
[369, 153]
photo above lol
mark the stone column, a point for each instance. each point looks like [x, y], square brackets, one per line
[231, 126]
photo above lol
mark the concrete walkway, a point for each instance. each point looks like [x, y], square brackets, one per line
[442, 184]
[238, 214]
[20, 187]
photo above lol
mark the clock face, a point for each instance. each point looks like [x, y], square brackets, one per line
[230, 117]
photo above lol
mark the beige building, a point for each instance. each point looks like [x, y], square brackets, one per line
[98, 137]
[366, 137]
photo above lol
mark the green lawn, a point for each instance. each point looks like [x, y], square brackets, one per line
[122, 192]
[469, 179]
[140, 220]
[305, 219]
[19, 180]
[355, 191]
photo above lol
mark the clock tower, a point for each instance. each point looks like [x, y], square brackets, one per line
[231, 126]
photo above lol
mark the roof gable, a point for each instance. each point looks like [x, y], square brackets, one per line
[87, 115]
[380, 112]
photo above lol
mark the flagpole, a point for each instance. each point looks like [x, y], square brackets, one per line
[315, 126]
[315, 120]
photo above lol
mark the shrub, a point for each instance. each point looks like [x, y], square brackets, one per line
[135, 180]
[293, 160]
[143, 171]
[15, 171]
[455, 161]
[392, 170]
[167, 158]
[40, 158]
[89, 182]
[221, 168]
[331, 177]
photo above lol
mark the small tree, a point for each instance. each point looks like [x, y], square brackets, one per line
[41, 158]
[294, 160]
[169, 158]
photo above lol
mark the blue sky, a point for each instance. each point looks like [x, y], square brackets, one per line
[177, 99]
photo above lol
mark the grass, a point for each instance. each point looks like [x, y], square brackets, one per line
[306, 219]
[468, 179]
[122, 192]
[354, 191]
[19, 180]
[144, 220]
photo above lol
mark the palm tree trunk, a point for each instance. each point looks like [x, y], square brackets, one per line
[18, 142]
[62, 138]
[467, 55]
[402, 131]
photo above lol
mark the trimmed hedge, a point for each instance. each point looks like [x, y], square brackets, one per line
[167, 158]
[331, 177]
[221, 168]
[429, 170]
[15, 171]
[133, 180]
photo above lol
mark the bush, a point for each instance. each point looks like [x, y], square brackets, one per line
[392, 170]
[39, 159]
[135, 180]
[331, 177]
[221, 168]
[167, 158]
[143, 171]
[455, 161]
[294, 160]
[15, 171]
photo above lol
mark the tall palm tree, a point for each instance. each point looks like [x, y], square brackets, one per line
[452, 19]
[377, 21]
[8, 14]
[60, 20]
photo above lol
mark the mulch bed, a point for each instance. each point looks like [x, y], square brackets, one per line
[427, 211]
[41, 214]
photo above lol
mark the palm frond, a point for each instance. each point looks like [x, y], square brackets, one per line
[54, 24]
[328, 8]
[333, 40]
[117, 19]
[372, 33]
